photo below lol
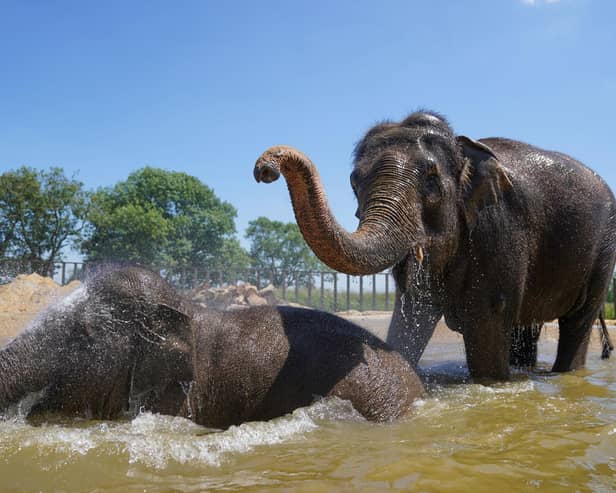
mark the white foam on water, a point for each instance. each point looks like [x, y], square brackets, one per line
[457, 398]
[155, 441]
[156, 448]
[66, 441]
[507, 388]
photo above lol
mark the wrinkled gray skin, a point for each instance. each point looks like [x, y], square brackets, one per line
[130, 343]
[493, 234]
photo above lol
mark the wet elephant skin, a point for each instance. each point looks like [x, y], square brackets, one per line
[128, 342]
[496, 235]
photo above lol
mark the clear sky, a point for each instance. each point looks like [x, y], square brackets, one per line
[203, 87]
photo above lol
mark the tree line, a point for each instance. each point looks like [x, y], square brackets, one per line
[156, 218]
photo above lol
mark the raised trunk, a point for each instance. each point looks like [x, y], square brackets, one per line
[375, 245]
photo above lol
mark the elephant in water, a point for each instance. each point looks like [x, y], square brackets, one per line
[492, 234]
[128, 341]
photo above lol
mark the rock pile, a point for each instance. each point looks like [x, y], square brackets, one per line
[234, 297]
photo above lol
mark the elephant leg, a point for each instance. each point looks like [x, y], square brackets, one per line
[573, 339]
[487, 345]
[412, 325]
[523, 352]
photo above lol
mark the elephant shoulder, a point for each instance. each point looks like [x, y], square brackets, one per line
[325, 325]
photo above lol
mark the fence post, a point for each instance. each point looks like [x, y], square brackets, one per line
[321, 302]
[284, 285]
[373, 291]
[63, 273]
[361, 293]
[386, 291]
[348, 292]
[296, 287]
[311, 274]
[335, 307]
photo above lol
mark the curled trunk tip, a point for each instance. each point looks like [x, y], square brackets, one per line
[368, 250]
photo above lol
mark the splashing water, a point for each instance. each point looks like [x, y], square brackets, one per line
[540, 431]
[403, 308]
[554, 433]
[62, 305]
[155, 441]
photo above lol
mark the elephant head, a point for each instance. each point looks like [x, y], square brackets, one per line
[124, 339]
[145, 302]
[417, 186]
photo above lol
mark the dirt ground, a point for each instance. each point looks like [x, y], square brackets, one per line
[24, 298]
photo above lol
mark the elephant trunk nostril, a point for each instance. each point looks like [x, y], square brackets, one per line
[266, 172]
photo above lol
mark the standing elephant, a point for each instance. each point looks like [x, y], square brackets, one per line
[493, 234]
[130, 342]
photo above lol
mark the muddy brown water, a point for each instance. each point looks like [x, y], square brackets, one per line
[539, 432]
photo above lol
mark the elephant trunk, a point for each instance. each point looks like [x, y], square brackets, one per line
[24, 368]
[373, 247]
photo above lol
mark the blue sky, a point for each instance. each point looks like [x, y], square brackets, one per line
[203, 87]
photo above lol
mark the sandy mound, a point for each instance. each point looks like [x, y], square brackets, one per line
[23, 299]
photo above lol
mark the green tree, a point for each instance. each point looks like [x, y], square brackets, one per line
[164, 220]
[279, 248]
[41, 212]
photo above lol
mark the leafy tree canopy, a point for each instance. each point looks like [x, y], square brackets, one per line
[41, 212]
[162, 219]
[280, 248]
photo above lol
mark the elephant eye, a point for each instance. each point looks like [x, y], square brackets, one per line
[432, 169]
[432, 190]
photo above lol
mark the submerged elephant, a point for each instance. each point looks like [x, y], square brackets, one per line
[493, 234]
[129, 342]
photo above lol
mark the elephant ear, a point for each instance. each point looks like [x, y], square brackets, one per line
[169, 327]
[484, 180]
[173, 315]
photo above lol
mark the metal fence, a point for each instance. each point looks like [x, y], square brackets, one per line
[61, 272]
[326, 290]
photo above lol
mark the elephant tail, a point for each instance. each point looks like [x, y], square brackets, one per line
[606, 343]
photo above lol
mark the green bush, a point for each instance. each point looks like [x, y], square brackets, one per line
[609, 311]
